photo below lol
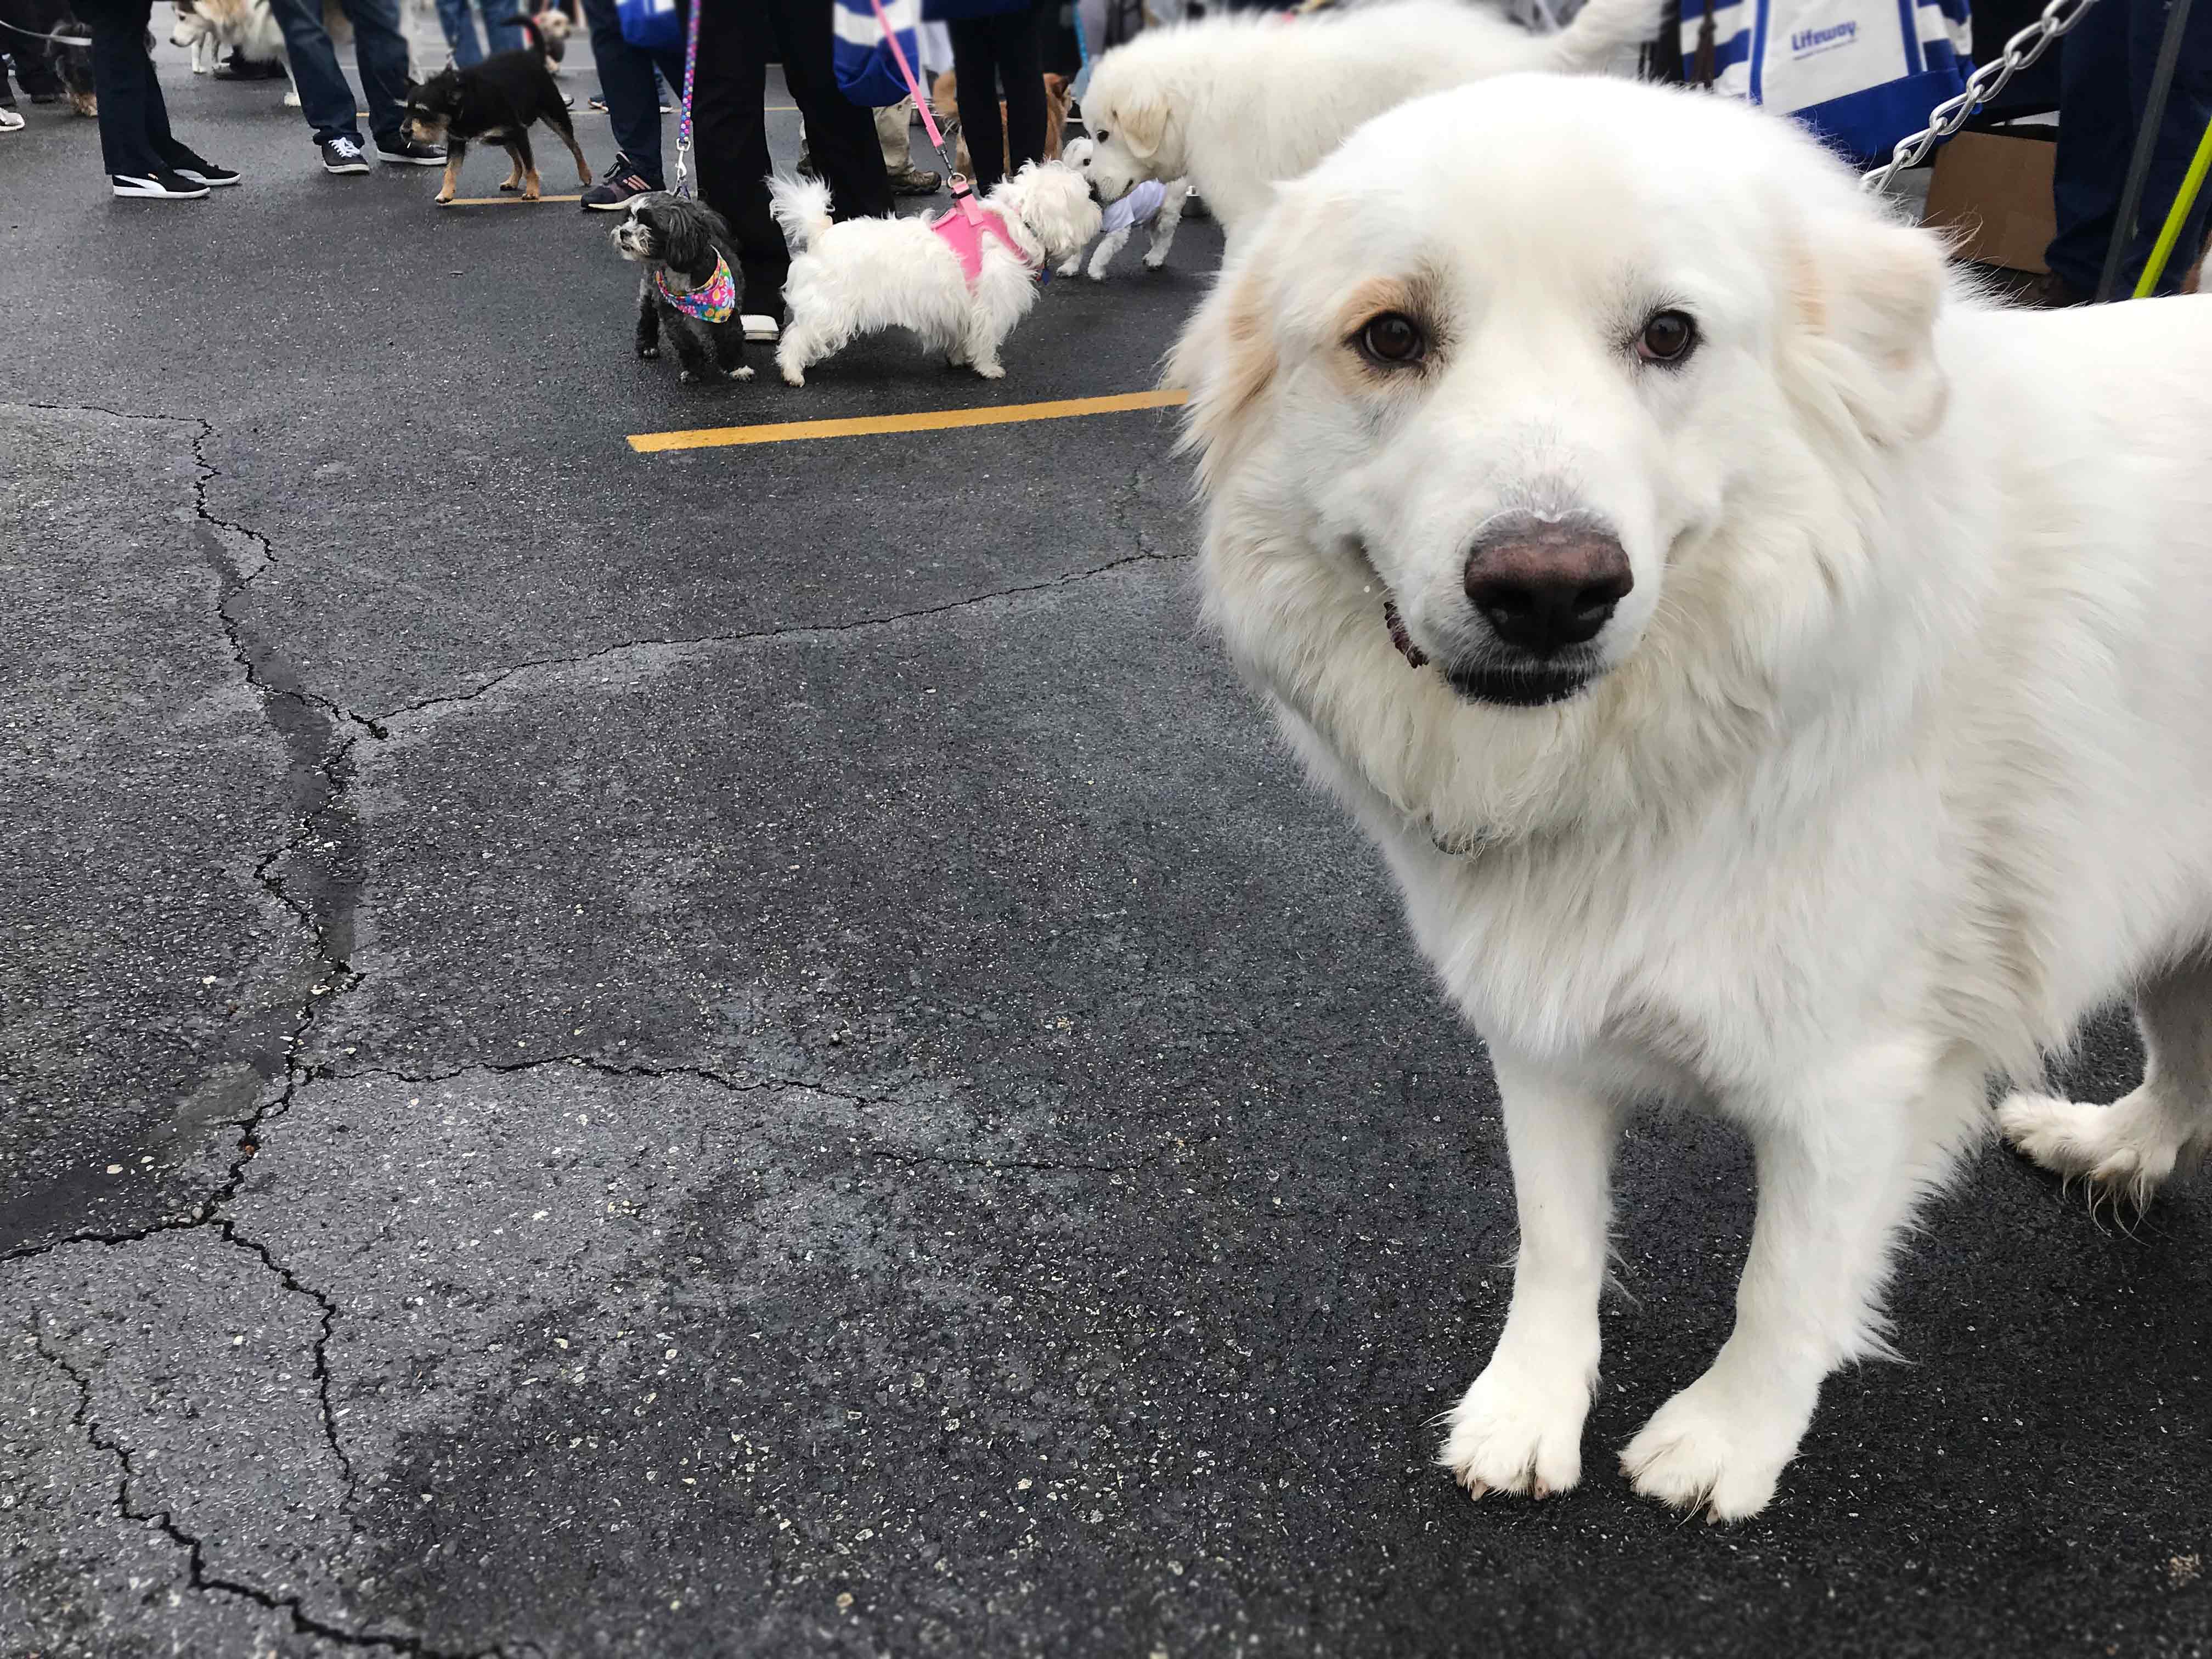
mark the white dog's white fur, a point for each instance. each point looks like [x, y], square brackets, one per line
[1080, 153]
[864, 274]
[211, 28]
[1896, 758]
[1240, 100]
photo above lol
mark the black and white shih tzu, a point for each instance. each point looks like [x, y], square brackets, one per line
[689, 289]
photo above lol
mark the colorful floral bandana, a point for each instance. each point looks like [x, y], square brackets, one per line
[712, 301]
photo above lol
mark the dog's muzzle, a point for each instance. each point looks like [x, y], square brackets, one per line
[1544, 589]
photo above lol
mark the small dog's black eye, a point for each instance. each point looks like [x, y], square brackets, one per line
[1667, 337]
[1392, 337]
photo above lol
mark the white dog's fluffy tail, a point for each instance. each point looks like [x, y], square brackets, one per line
[801, 206]
[1601, 28]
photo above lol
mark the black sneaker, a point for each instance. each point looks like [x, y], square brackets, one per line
[161, 186]
[343, 154]
[207, 172]
[406, 153]
[617, 185]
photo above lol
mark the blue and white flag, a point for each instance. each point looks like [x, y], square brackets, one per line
[1862, 73]
[867, 71]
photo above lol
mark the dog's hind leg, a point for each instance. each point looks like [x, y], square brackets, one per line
[455, 149]
[1519, 1428]
[2128, 1149]
[649, 320]
[556, 117]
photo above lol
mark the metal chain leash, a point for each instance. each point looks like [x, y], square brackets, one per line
[1947, 118]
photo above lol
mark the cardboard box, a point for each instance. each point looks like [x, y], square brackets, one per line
[1991, 193]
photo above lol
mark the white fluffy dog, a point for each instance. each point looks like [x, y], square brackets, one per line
[1777, 679]
[211, 28]
[864, 274]
[1240, 100]
[1116, 226]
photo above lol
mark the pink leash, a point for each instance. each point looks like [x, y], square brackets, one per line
[963, 197]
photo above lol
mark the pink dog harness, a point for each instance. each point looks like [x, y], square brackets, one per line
[963, 233]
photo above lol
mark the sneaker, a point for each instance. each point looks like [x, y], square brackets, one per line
[11, 120]
[343, 154]
[207, 172]
[597, 103]
[911, 181]
[161, 186]
[406, 153]
[758, 327]
[617, 185]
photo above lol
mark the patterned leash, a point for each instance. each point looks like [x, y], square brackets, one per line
[691, 78]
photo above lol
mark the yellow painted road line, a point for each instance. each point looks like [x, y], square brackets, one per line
[928, 420]
[502, 201]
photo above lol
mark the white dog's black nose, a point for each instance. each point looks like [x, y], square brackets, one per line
[1544, 585]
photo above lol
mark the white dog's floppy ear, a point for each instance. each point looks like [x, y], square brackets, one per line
[1226, 360]
[1143, 126]
[1867, 295]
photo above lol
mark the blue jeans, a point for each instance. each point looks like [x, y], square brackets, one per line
[2104, 69]
[628, 83]
[460, 26]
[379, 50]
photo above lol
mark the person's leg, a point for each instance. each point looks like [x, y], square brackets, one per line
[976, 63]
[500, 35]
[459, 24]
[626, 82]
[121, 74]
[841, 135]
[730, 127]
[325, 98]
[379, 50]
[2096, 125]
[1021, 69]
[2188, 107]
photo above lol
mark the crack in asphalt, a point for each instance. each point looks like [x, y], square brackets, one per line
[200, 1578]
[438, 705]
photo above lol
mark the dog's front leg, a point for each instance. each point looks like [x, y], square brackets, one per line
[1164, 224]
[455, 149]
[1103, 256]
[649, 320]
[1519, 1428]
[1840, 1163]
[291, 87]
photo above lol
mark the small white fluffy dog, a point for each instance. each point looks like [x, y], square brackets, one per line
[1240, 100]
[865, 275]
[1777, 679]
[1167, 216]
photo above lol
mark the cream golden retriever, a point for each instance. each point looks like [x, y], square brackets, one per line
[1779, 681]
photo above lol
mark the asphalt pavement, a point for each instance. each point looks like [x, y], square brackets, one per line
[756, 1051]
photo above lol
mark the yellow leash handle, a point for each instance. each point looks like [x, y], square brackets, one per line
[2176, 216]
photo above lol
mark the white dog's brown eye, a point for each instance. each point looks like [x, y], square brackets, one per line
[1392, 337]
[1666, 337]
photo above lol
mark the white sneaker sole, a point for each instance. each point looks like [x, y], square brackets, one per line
[758, 327]
[147, 190]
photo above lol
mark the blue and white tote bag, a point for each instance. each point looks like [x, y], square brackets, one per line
[1862, 73]
[867, 71]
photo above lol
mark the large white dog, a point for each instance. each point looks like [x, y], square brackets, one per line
[1241, 99]
[1779, 681]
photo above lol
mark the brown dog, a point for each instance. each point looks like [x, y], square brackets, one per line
[945, 99]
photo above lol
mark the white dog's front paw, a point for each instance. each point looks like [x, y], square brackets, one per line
[2127, 1149]
[794, 377]
[1154, 261]
[992, 371]
[1514, 1430]
[1705, 1448]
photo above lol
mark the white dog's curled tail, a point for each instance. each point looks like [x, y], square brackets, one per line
[1601, 28]
[801, 206]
